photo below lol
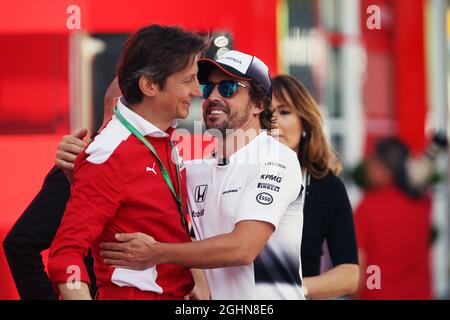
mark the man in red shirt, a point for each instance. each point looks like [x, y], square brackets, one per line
[125, 180]
[393, 230]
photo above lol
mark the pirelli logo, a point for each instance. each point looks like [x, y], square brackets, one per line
[268, 186]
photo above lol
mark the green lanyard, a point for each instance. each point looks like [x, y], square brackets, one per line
[163, 169]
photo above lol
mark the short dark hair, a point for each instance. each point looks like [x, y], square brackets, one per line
[156, 52]
[394, 154]
[259, 97]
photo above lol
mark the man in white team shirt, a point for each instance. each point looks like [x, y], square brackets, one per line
[245, 202]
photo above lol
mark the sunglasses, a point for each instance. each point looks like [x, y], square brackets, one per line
[227, 88]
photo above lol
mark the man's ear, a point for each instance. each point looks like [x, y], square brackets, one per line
[148, 87]
[257, 109]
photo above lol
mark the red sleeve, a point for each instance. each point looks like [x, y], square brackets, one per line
[96, 193]
[362, 224]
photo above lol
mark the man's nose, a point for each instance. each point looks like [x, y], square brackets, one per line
[215, 94]
[196, 92]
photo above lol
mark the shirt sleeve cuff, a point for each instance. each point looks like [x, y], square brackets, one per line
[69, 270]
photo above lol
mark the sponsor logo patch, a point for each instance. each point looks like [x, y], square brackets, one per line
[152, 169]
[232, 59]
[200, 193]
[275, 164]
[271, 177]
[231, 191]
[197, 214]
[268, 186]
[264, 198]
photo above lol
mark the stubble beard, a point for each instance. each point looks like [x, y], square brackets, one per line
[227, 126]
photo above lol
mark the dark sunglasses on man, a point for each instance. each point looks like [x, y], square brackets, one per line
[227, 88]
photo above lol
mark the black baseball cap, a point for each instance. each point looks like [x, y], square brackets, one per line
[238, 65]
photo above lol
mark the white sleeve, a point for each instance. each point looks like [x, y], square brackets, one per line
[270, 188]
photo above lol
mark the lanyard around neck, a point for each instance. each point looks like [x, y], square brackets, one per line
[162, 167]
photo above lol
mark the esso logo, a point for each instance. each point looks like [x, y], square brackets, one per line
[264, 198]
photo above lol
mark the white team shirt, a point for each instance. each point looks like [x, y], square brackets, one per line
[261, 182]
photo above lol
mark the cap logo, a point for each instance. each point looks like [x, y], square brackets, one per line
[232, 59]
[237, 60]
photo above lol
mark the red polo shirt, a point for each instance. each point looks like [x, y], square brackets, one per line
[393, 230]
[118, 187]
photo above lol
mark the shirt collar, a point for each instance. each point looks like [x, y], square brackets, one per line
[144, 126]
[243, 153]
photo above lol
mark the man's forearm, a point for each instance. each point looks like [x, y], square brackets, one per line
[77, 291]
[240, 247]
[339, 281]
[139, 251]
[217, 252]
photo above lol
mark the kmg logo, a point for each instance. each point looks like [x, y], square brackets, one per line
[200, 193]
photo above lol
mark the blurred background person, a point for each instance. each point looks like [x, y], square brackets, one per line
[393, 224]
[327, 211]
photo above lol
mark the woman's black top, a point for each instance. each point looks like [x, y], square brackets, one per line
[327, 216]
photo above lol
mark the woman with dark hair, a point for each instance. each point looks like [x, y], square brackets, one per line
[327, 210]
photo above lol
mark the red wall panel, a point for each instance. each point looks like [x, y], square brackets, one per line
[410, 72]
[253, 23]
[34, 84]
[395, 94]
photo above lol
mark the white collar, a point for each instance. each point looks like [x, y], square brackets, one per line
[249, 148]
[145, 127]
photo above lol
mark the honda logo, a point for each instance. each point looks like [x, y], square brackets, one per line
[200, 193]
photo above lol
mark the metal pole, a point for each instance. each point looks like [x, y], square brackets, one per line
[439, 121]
